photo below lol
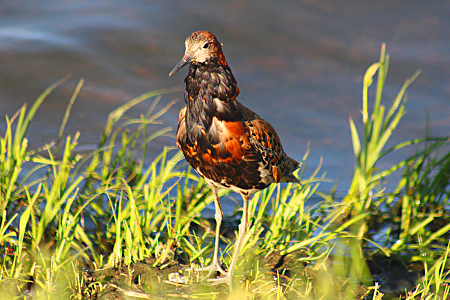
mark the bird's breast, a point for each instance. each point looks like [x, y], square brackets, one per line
[222, 153]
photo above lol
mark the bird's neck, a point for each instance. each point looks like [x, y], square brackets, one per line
[211, 91]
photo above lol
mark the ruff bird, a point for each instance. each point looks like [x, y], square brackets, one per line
[226, 143]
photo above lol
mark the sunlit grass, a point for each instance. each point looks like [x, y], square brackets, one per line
[76, 226]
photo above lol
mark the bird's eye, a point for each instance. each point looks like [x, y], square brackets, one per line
[206, 45]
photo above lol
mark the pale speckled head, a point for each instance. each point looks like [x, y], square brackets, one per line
[201, 46]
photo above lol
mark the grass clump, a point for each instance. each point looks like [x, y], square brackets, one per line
[110, 224]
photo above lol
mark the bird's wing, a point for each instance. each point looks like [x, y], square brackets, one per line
[265, 139]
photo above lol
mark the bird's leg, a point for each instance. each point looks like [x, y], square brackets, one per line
[215, 266]
[237, 248]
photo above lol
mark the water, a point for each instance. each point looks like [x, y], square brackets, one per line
[299, 64]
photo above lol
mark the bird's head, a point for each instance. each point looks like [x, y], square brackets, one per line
[201, 46]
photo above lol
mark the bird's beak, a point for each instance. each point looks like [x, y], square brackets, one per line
[186, 59]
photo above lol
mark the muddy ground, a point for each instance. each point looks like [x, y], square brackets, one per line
[175, 281]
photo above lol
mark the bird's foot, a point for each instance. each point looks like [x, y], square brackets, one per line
[216, 281]
[212, 268]
[228, 279]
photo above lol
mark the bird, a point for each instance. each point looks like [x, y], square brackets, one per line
[226, 143]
